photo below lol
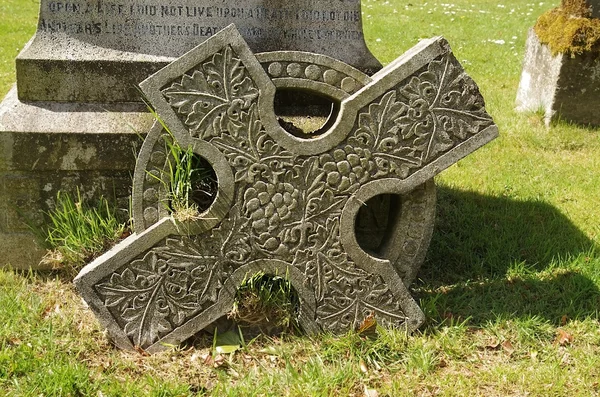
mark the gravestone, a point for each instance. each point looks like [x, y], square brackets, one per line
[286, 205]
[563, 86]
[100, 50]
[74, 117]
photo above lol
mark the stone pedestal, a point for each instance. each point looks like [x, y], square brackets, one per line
[98, 51]
[74, 118]
[562, 87]
[46, 147]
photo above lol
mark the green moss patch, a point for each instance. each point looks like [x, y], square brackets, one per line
[568, 29]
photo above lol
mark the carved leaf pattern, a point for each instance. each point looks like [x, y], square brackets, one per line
[174, 281]
[138, 294]
[251, 152]
[349, 300]
[219, 89]
[346, 294]
[415, 123]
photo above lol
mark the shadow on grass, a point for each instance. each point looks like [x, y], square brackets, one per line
[485, 255]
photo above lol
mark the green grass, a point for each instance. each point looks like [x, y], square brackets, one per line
[191, 182]
[18, 20]
[268, 304]
[78, 231]
[514, 262]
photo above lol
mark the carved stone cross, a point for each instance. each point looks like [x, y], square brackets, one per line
[287, 205]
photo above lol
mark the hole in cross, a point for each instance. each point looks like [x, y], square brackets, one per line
[375, 221]
[266, 304]
[193, 182]
[305, 114]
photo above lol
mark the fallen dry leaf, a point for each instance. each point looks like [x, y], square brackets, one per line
[141, 351]
[508, 347]
[219, 361]
[371, 392]
[51, 311]
[563, 338]
[215, 362]
[493, 344]
[563, 320]
[207, 359]
[247, 358]
[363, 366]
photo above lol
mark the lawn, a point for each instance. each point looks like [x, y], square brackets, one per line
[510, 286]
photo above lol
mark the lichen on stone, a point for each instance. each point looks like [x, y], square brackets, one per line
[568, 29]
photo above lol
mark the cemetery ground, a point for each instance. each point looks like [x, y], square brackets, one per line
[510, 286]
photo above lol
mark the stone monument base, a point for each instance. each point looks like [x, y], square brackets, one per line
[48, 146]
[563, 87]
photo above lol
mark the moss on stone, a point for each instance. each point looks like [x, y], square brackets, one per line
[568, 29]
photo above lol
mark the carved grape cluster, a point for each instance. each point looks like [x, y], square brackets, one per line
[347, 168]
[267, 205]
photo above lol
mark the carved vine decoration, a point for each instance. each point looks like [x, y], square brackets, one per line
[216, 91]
[171, 283]
[418, 121]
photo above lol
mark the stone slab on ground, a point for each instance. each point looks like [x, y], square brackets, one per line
[286, 205]
[99, 51]
[563, 87]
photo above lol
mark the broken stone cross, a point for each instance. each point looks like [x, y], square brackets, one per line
[286, 205]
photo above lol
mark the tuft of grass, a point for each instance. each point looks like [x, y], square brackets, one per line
[189, 180]
[266, 303]
[192, 183]
[78, 231]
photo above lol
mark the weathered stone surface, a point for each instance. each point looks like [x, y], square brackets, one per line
[595, 6]
[98, 51]
[77, 74]
[46, 147]
[562, 86]
[286, 205]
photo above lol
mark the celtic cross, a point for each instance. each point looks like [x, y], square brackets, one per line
[287, 205]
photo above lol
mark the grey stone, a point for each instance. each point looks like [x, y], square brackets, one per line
[46, 147]
[286, 205]
[91, 55]
[563, 87]
[78, 73]
[98, 51]
[595, 7]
